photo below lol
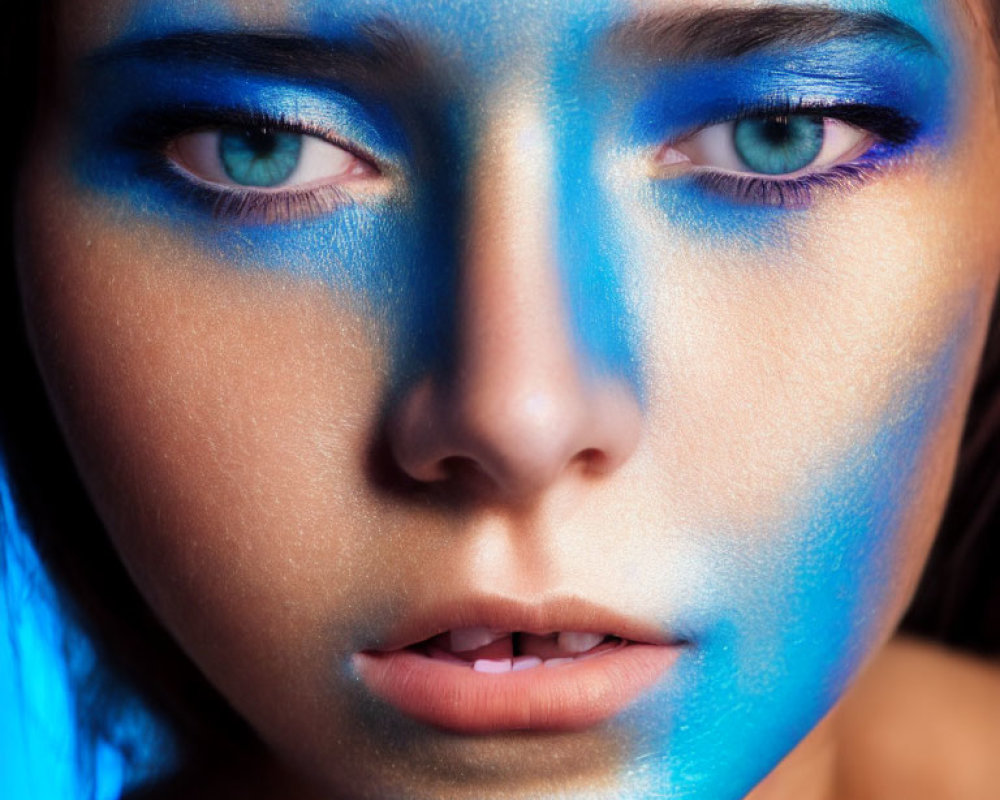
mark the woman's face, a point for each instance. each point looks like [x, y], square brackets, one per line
[371, 321]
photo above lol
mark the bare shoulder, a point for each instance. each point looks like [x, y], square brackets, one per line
[922, 723]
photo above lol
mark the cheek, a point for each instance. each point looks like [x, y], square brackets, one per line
[806, 399]
[771, 365]
[220, 421]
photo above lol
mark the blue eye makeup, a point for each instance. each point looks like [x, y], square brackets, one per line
[270, 150]
[399, 121]
[885, 83]
[782, 156]
[778, 107]
[250, 167]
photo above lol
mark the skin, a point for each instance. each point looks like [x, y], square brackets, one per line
[737, 422]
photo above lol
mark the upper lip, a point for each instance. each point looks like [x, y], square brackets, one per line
[506, 614]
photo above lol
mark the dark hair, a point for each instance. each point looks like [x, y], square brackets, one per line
[136, 654]
[958, 602]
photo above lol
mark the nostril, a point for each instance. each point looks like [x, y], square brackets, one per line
[592, 460]
[485, 442]
[459, 468]
[464, 474]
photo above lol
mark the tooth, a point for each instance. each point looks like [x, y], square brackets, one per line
[492, 665]
[465, 639]
[525, 662]
[572, 642]
[555, 662]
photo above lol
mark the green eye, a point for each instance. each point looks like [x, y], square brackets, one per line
[778, 145]
[259, 157]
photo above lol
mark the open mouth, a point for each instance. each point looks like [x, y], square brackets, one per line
[484, 679]
[494, 652]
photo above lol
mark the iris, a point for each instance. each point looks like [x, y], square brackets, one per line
[777, 145]
[259, 157]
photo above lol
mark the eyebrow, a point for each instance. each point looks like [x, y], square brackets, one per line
[377, 54]
[721, 33]
[381, 55]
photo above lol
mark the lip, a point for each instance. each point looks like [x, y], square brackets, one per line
[569, 696]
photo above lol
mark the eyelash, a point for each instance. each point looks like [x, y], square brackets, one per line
[894, 131]
[151, 133]
[792, 193]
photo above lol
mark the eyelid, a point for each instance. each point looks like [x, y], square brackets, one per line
[153, 134]
[712, 147]
[197, 154]
[890, 129]
[890, 134]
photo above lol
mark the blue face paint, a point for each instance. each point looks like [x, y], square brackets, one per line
[594, 256]
[752, 676]
[684, 97]
[776, 645]
[385, 250]
[398, 255]
[904, 90]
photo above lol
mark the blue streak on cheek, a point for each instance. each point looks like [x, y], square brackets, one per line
[680, 99]
[794, 623]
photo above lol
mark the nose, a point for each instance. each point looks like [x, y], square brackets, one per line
[519, 408]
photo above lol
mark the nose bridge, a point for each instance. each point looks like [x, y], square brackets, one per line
[518, 402]
[512, 315]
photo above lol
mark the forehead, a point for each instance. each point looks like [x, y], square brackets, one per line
[492, 35]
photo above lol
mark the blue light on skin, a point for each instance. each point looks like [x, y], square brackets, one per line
[44, 660]
[37, 722]
[400, 255]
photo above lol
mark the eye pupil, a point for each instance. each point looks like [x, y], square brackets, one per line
[259, 156]
[262, 142]
[778, 144]
[777, 130]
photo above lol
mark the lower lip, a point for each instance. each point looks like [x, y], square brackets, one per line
[560, 698]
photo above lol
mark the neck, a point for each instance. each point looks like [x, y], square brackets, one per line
[810, 771]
